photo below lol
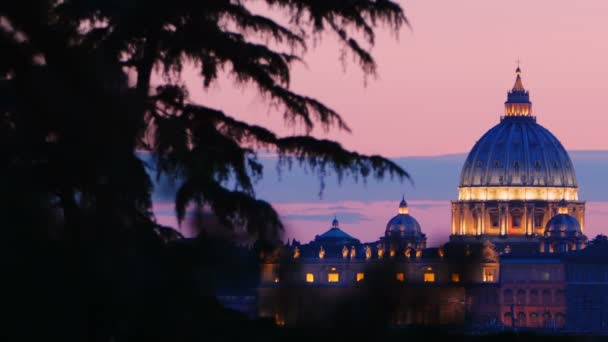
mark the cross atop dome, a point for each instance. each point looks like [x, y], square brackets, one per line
[518, 99]
[518, 86]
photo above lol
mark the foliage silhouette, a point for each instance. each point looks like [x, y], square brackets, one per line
[78, 100]
[67, 96]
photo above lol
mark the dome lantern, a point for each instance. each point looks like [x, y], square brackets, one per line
[518, 99]
[562, 207]
[403, 209]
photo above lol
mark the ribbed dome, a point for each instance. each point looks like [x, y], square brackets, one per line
[403, 223]
[518, 152]
[562, 223]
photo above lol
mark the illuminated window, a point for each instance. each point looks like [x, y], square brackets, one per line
[310, 278]
[333, 277]
[488, 275]
[268, 273]
[279, 320]
[360, 276]
[455, 277]
[429, 277]
[400, 276]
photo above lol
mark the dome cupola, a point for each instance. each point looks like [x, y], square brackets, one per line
[518, 99]
[562, 223]
[403, 223]
[518, 159]
[563, 232]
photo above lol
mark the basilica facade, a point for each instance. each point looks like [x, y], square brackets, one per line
[516, 216]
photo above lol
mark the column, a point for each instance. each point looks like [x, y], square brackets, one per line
[461, 213]
[454, 218]
[580, 213]
[507, 218]
[503, 213]
[529, 212]
[483, 218]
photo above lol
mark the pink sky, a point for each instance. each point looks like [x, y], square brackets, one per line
[443, 83]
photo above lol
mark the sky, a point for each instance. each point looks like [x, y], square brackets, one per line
[441, 84]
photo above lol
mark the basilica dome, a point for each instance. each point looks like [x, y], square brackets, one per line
[520, 157]
[518, 151]
[403, 224]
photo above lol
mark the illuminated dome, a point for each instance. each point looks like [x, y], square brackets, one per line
[518, 158]
[403, 224]
[562, 223]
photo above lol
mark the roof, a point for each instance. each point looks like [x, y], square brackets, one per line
[518, 152]
[335, 233]
[593, 254]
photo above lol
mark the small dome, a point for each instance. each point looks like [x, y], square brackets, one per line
[562, 223]
[403, 224]
[335, 236]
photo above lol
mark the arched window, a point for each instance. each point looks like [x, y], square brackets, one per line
[507, 319]
[546, 319]
[521, 319]
[521, 297]
[533, 320]
[533, 300]
[560, 320]
[547, 296]
[507, 296]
